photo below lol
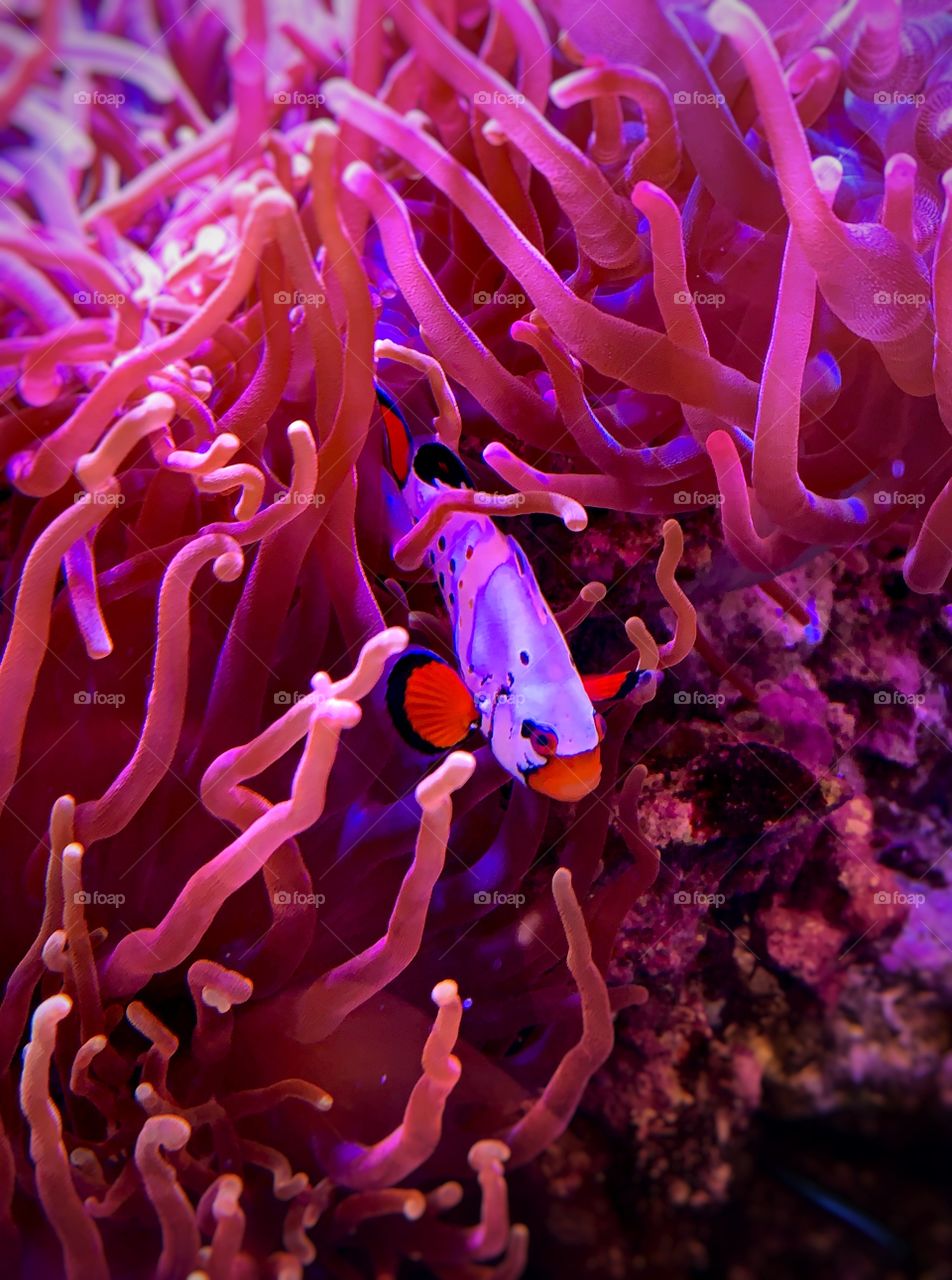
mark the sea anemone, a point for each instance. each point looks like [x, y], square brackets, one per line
[279, 1000]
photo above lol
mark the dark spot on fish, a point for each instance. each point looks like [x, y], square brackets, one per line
[524, 658]
[452, 598]
[469, 553]
[441, 543]
[544, 739]
[442, 579]
[452, 566]
[432, 557]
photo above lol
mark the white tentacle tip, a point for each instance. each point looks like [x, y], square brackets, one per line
[486, 1153]
[52, 1010]
[229, 565]
[358, 177]
[455, 770]
[444, 992]
[723, 15]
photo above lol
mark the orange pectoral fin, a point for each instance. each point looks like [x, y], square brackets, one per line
[615, 684]
[430, 706]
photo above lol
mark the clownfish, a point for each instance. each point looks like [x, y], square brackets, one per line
[516, 680]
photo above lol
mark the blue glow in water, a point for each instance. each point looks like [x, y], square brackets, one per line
[831, 364]
[812, 631]
[898, 469]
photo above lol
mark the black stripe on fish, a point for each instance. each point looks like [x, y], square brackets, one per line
[434, 462]
[615, 684]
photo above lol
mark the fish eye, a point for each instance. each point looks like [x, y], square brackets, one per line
[545, 741]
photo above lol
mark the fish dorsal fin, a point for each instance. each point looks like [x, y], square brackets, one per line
[429, 704]
[614, 684]
[399, 439]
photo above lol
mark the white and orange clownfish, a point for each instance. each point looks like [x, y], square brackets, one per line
[516, 679]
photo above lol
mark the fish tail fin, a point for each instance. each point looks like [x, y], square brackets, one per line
[611, 686]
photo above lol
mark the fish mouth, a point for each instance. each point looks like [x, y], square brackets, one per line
[567, 778]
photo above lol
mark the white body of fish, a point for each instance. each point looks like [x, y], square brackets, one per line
[512, 654]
